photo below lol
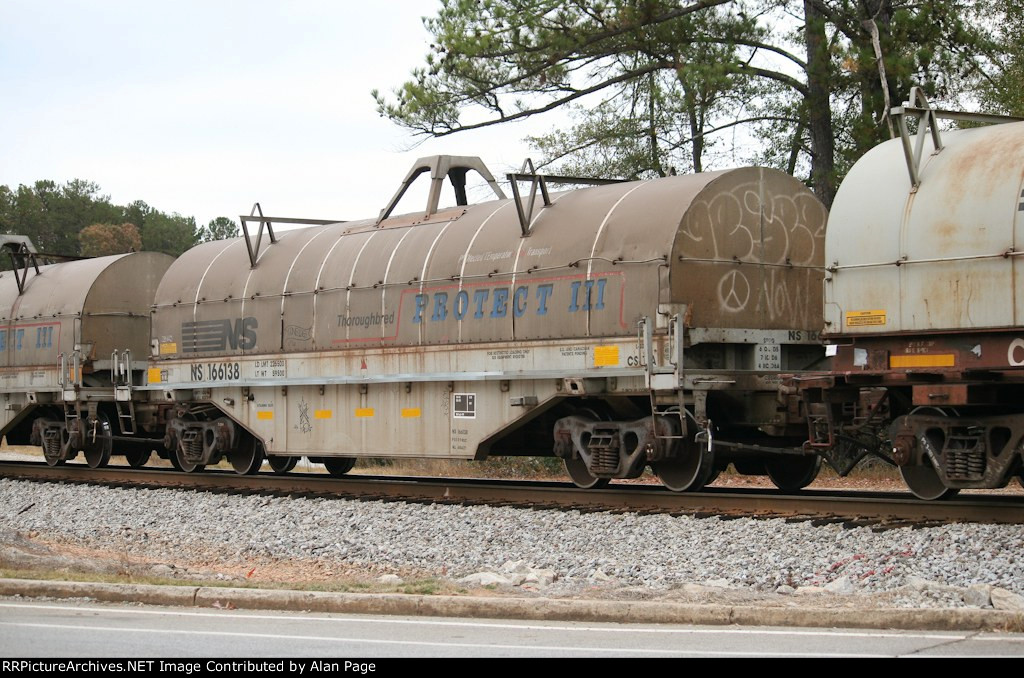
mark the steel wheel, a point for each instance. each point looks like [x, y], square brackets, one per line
[179, 462]
[51, 453]
[137, 458]
[750, 467]
[925, 483]
[692, 468]
[173, 458]
[247, 458]
[281, 465]
[793, 473]
[339, 466]
[51, 446]
[922, 479]
[689, 471]
[577, 470]
[97, 452]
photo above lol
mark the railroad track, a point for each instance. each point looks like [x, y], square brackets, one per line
[878, 510]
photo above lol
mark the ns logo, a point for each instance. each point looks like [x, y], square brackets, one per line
[206, 336]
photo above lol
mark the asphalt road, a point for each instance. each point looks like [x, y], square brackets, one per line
[73, 629]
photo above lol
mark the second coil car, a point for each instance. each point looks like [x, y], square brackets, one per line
[617, 326]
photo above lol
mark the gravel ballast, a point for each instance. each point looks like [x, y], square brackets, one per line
[551, 552]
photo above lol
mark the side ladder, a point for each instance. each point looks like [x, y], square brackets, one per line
[121, 373]
[69, 378]
[668, 378]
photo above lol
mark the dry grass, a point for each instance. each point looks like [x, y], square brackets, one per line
[333, 584]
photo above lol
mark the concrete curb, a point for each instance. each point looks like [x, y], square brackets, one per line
[546, 609]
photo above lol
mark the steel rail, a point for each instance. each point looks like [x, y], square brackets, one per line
[878, 510]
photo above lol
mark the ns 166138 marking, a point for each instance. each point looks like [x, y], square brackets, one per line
[216, 372]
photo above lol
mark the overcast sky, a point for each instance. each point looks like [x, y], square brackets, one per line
[204, 107]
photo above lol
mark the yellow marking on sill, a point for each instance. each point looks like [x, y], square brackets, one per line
[924, 360]
[605, 356]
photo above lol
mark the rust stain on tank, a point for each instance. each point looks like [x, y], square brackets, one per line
[977, 174]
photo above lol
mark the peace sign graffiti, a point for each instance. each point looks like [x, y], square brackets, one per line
[733, 292]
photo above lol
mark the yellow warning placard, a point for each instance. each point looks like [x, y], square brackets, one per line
[865, 318]
[265, 414]
[323, 414]
[168, 347]
[605, 356]
[410, 412]
[364, 411]
[153, 375]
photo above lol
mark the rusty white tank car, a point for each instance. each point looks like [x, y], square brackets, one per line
[923, 307]
[617, 326]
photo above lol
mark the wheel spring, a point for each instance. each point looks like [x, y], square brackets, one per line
[604, 450]
[965, 457]
[192, 445]
[51, 443]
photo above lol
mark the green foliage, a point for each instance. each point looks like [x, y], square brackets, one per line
[925, 44]
[1000, 80]
[652, 84]
[52, 215]
[169, 233]
[74, 218]
[136, 212]
[422, 587]
[490, 53]
[220, 228]
[101, 240]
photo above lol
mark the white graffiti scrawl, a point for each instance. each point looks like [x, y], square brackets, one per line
[733, 291]
[756, 253]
